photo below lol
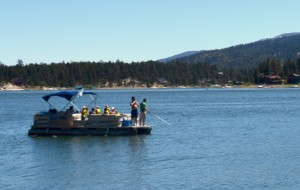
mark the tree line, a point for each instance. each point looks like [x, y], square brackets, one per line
[100, 74]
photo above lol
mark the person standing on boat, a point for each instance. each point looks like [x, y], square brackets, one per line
[143, 110]
[134, 110]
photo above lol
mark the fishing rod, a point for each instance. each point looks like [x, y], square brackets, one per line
[140, 95]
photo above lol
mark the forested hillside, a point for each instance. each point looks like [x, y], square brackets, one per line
[105, 74]
[250, 55]
[98, 74]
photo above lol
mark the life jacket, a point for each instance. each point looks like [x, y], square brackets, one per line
[98, 111]
[84, 112]
[106, 110]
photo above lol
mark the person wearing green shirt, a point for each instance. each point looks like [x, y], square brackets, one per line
[143, 110]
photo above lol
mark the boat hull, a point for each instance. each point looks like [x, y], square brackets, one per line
[86, 131]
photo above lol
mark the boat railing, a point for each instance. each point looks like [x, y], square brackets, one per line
[61, 118]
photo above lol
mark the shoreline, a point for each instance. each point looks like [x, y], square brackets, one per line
[11, 87]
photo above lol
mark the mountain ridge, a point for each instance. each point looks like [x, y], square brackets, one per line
[180, 55]
[282, 47]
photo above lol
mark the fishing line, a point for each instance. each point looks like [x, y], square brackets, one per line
[161, 119]
[151, 112]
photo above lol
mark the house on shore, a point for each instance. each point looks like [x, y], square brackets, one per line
[293, 79]
[270, 79]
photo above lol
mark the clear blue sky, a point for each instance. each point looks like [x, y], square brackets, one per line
[135, 30]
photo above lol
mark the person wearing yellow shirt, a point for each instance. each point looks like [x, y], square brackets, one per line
[98, 110]
[106, 110]
[84, 113]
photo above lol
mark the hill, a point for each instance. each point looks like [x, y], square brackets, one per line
[181, 55]
[281, 47]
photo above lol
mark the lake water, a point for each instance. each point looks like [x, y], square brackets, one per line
[218, 139]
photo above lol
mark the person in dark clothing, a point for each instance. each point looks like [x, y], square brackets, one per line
[134, 111]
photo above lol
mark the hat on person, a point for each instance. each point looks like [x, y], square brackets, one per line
[113, 108]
